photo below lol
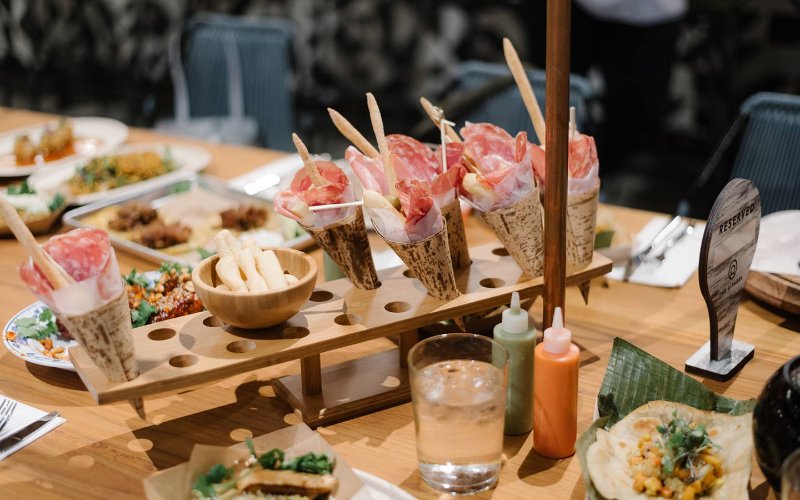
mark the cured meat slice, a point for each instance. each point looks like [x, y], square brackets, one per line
[421, 163]
[82, 253]
[368, 170]
[294, 202]
[582, 156]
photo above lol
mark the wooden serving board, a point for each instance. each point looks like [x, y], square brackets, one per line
[777, 290]
[194, 350]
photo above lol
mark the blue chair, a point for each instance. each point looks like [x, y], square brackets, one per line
[503, 106]
[765, 139]
[264, 48]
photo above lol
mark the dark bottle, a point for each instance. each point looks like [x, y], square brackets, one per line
[776, 420]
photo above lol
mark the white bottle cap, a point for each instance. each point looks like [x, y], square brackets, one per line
[515, 319]
[557, 339]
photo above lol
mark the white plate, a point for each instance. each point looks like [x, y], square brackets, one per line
[189, 160]
[109, 134]
[778, 243]
[380, 489]
[19, 347]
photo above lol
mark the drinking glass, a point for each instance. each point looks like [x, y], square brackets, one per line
[790, 477]
[458, 389]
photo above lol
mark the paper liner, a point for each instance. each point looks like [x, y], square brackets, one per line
[105, 334]
[429, 260]
[456, 237]
[581, 219]
[519, 228]
[347, 244]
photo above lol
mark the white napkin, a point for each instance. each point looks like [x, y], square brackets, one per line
[778, 247]
[679, 264]
[22, 416]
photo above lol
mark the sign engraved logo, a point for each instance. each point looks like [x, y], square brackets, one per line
[732, 269]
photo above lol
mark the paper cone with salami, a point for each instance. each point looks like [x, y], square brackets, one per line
[339, 230]
[77, 275]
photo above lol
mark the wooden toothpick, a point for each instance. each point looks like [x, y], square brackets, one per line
[332, 206]
[573, 124]
[525, 89]
[377, 126]
[352, 134]
[308, 163]
[435, 117]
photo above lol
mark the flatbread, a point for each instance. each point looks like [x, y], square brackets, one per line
[607, 458]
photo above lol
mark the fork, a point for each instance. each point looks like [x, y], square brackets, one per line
[6, 410]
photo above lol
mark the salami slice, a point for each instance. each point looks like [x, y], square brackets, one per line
[302, 193]
[582, 156]
[368, 170]
[421, 162]
[484, 140]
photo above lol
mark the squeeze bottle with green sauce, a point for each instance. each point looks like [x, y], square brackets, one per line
[515, 335]
[555, 392]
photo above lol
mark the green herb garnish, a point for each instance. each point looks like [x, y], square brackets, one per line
[218, 473]
[135, 278]
[180, 187]
[141, 314]
[21, 188]
[682, 444]
[57, 202]
[168, 267]
[38, 328]
[275, 459]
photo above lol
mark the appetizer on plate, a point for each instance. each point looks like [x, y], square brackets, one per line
[113, 171]
[38, 210]
[671, 450]
[55, 143]
[269, 475]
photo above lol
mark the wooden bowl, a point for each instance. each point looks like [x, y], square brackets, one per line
[257, 309]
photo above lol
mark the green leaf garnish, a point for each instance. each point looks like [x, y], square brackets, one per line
[135, 278]
[168, 267]
[141, 314]
[272, 459]
[38, 328]
[21, 188]
[216, 474]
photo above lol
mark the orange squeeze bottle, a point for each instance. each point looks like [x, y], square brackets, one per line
[555, 392]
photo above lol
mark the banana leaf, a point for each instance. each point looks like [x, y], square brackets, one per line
[633, 378]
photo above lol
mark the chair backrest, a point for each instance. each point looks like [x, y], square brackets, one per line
[505, 107]
[265, 54]
[769, 152]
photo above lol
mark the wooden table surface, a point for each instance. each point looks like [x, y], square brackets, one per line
[106, 451]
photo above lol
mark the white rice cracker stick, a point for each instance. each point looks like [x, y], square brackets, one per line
[247, 264]
[270, 269]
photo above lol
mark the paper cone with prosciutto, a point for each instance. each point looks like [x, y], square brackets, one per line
[339, 231]
[583, 191]
[413, 160]
[95, 307]
[505, 192]
[419, 237]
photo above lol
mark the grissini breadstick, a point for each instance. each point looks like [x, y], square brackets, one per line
[352, 134]
[250, 243]
[270, 268]
[247, 264]
[525, 89]
[57, 277]
[435, 114]
[308, 162]
[228, 271]
[383, 147]
[291, 278]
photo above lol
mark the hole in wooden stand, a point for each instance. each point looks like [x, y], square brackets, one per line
[502, 252]
[161, 334]
[321, 296]
[397, 307]
[491, 282]
[212, 322]
[183, 360]
[241, 346]
[408, 274]
[347, 319]
[294, 332]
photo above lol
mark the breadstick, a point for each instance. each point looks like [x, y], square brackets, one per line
[525, 89]
[270, 269]
[353, 135]
[247, 264]
[223, 287]
[291, 278]
[221, 242]
[435, 114]
[377, 126]
[250, 244]
[228, 271]
[308, 162]
[232, 242]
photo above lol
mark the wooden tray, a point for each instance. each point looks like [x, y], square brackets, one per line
[777, 290]
[194, 350]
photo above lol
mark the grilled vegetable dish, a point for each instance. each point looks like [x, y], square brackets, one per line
[109, 172]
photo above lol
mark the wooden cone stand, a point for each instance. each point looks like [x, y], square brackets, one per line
[194, 350]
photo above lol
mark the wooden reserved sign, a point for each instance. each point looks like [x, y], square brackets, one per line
[726, 254]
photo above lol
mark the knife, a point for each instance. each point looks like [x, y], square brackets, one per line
[26, 431]
[636, 260]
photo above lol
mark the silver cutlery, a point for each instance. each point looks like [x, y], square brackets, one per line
[636, 260]
[26, 431]
[6, 410]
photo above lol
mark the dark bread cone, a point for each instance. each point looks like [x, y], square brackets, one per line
[581, 219]
[456, 237]
[347, 244]
[519, 228]
[429, 260]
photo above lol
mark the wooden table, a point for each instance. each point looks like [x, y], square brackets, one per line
[106, 451]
